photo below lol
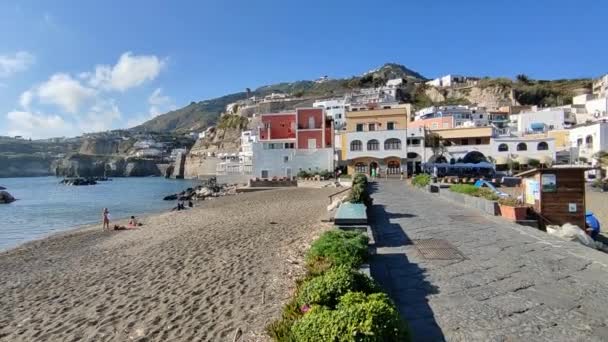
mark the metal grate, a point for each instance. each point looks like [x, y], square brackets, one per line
[436, 249]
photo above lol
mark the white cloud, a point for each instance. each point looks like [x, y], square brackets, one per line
[159, 103]
[11, 64]
[83, 102]
[37, 125]
[26, 99]
[130, 71]
[100, 116]
[64, 91]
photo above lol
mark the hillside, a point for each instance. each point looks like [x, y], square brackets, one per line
[199, 115]
[490, 92]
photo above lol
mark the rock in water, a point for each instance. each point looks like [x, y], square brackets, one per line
[2, 188]
[170, 198]
[6, 198]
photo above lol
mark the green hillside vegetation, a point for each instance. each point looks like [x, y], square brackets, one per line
[544, 93]
[232, 121]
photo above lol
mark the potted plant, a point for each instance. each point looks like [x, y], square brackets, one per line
[512, 209]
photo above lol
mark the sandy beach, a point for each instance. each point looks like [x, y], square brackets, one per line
[200, 275]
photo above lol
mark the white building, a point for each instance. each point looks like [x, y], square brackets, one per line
[538, 122]
[149, 153]
[600, 86]
[589, 139]
[452, 81]
[278, 161]
[595, 107]
[464, 116]
[334, 109]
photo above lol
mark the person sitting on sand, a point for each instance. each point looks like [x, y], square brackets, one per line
[133, 222]
[106, 218]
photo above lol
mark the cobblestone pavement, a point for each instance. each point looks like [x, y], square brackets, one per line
[505, 282]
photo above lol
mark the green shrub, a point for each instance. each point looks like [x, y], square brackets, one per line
[337, 248]
[358, 317]
[360, 178]
[325, 174]
[474, 191]
[487, 193]
[421, 180]
[280, 330]
[509, 202]
[303, 174]
[327, 288]
[359, 194]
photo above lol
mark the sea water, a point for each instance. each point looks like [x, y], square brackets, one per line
[44, 206]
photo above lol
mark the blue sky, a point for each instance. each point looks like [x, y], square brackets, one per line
[68, 67]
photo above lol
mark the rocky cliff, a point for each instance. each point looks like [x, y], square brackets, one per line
[25, 166]
[81, 165]
[489, 97]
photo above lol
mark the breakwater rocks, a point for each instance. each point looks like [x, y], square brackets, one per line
[6, 198]
[207, 189]
[79, 181]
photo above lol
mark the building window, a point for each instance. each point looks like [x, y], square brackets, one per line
[542, 146]
[446, 125]
[264, 173]
[360, 168]
[589, 141]
[478, 141]
[414, 142]
[434, 125]
[464, 141]
[579, 142]
[522, 147]
[503, 148]
[266, 125]
[371, 127]
[285, 159]
[356, 145]
[390, 126]
[373, 145]
[392, 144]
[359, 127]
[289, 145]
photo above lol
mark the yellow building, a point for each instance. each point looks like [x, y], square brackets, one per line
[375, 140]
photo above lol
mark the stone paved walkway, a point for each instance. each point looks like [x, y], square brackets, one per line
[515, 283]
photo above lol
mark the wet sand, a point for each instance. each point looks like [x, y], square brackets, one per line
[199, 275]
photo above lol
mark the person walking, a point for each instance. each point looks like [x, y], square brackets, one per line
[106, 218]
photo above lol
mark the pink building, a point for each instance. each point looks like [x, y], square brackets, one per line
[307, 128]
[445, 122]
[292, 142]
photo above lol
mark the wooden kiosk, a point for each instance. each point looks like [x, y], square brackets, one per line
[556, 194]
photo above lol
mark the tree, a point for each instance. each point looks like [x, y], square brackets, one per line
[436, 143]
[522, 78]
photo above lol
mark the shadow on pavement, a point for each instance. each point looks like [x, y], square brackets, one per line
[403, 280]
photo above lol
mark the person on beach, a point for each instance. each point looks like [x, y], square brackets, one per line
[190, 204]
[106, 218]
[133, 222]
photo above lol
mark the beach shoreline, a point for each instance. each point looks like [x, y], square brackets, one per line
[227, 265]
